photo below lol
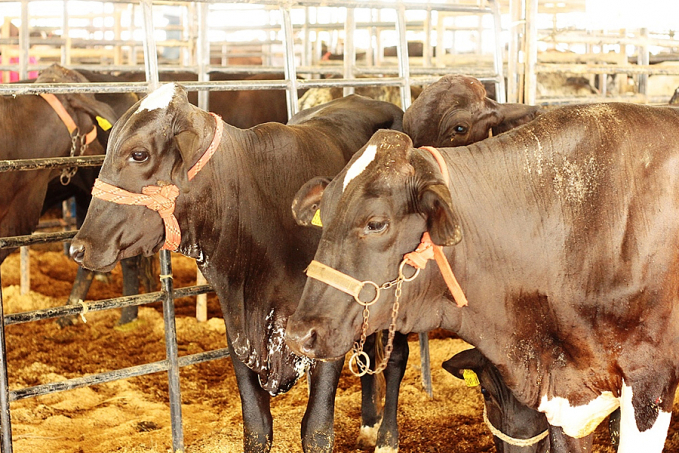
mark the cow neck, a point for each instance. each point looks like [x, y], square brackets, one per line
[60, 110]
[427, 250]
[160, 198]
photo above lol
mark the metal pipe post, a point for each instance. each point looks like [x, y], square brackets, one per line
[513, 66]
[5, 418]
[25, 266]
[402, 53]
[24, 43]
[150, 53]
[427, 51]
[290, 69]
[499, 69]
[66, 47]
[172, 352]
[643, 58]
[531, 55]
[440, 47]
[203, 54]
[349, 49]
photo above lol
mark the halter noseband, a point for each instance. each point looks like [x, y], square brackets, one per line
[160, 198]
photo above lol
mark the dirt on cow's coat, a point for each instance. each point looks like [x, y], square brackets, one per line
[132, 415]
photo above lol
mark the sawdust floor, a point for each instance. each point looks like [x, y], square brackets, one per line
[132, 415]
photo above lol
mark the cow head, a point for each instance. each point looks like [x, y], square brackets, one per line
[454, 111]
[153, 144]
[504, 412]
[85, 110]
[373, 212]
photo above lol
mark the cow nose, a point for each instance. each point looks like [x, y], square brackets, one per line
[77, 251]
[303, 342]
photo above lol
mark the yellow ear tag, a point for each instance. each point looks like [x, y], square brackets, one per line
[317, 219]
[104, 123]
[470, 378]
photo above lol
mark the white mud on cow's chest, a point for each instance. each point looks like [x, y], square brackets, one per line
[278, 368]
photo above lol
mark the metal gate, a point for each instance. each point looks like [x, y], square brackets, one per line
[402, 76]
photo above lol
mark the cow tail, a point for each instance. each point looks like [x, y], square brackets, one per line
[380, 381]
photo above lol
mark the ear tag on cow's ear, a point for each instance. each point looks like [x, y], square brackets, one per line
[470, 378]
[317, 219]
[104, 123]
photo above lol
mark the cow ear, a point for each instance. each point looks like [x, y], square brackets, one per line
[442, 223]
[93, 108]
[305, 205]
[513, 115]
[187, 142]
[469, 359]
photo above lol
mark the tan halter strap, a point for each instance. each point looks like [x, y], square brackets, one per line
[60, 110]
[160, 198]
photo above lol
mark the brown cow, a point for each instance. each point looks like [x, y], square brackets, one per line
[235, 219]
[454, 111]
[566, 229]
[31, 129]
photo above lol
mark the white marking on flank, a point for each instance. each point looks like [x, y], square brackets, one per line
[578, 421]
[360, 164]
[631, 439]
[158, 99]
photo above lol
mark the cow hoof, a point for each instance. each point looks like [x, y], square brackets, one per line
[367, 437]
[103, 277]
[386, 450]
[128, 326]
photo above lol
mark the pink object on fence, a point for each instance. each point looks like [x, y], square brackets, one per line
[14, 76]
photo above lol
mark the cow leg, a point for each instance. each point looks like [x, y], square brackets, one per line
[643, 422]
[387, 436]
[559, 442]
[81, 285]
[255, 407]
[372, 391]
[317, 425]
[130, 270]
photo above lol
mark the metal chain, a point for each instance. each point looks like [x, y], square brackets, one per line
[364, 366]
[76, 139]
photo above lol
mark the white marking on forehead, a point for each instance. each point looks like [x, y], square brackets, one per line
[360, 164]
[578, 421]
[158, 99]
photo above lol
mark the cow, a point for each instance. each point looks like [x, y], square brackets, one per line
[32, 128]
[515, 427]
[455, 111]
[565, 233]
[234, 219]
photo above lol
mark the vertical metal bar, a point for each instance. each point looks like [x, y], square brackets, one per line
[201, 299]
[531, 55]
[499, 70]
[290, 69]
[440, 47]
[150, 53]
[643, 58]
[25, 266]
[24, 43]
[203, 54]
[66, 46]
[425, 364]
[349, 49]
[379, 53]
[306, 45]
[5, 418]
[427, 51]
[515, 31]
[402, 53]
[172, 352]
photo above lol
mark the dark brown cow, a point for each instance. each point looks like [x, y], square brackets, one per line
[566, 229]
[235, 219]
[515, 427]
[454, 111]
[31, 129]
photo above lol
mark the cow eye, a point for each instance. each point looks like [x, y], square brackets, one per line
[376, 226]
[485, 394]
[139, 156]
[460, 129]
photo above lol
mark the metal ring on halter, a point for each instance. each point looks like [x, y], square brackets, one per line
[370, 302]
[408, 279]
[364, 367]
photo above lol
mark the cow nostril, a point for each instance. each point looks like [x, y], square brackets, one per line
[304, 343]
[77, 252]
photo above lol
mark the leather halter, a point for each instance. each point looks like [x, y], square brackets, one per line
[59, 109]
[160, 198]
